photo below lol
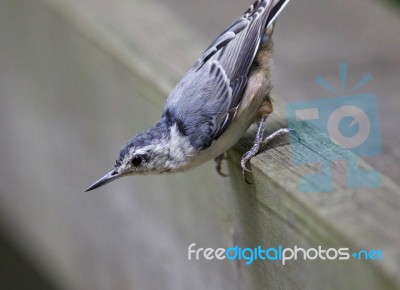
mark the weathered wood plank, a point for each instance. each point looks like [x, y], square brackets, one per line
[278, 213]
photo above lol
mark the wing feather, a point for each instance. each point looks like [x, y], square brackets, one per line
[207, 97]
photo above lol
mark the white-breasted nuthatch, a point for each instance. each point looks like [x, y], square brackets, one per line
[216, 101]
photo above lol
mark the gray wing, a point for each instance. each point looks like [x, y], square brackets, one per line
[206, 99]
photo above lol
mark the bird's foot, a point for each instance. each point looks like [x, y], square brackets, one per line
[259, 140]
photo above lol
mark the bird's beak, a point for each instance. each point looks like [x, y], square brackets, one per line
[110, 176]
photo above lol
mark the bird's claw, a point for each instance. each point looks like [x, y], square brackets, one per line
[245, 159]
[296, 134]
[218, 167]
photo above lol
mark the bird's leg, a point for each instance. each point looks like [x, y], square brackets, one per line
[260, 140]
[219, 160]
[263, 113]
[256, 146]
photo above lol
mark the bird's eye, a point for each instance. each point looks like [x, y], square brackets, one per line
[137, 160]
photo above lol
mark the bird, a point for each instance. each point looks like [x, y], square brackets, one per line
[226, 90]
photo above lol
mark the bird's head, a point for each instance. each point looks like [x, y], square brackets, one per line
[154, 151]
